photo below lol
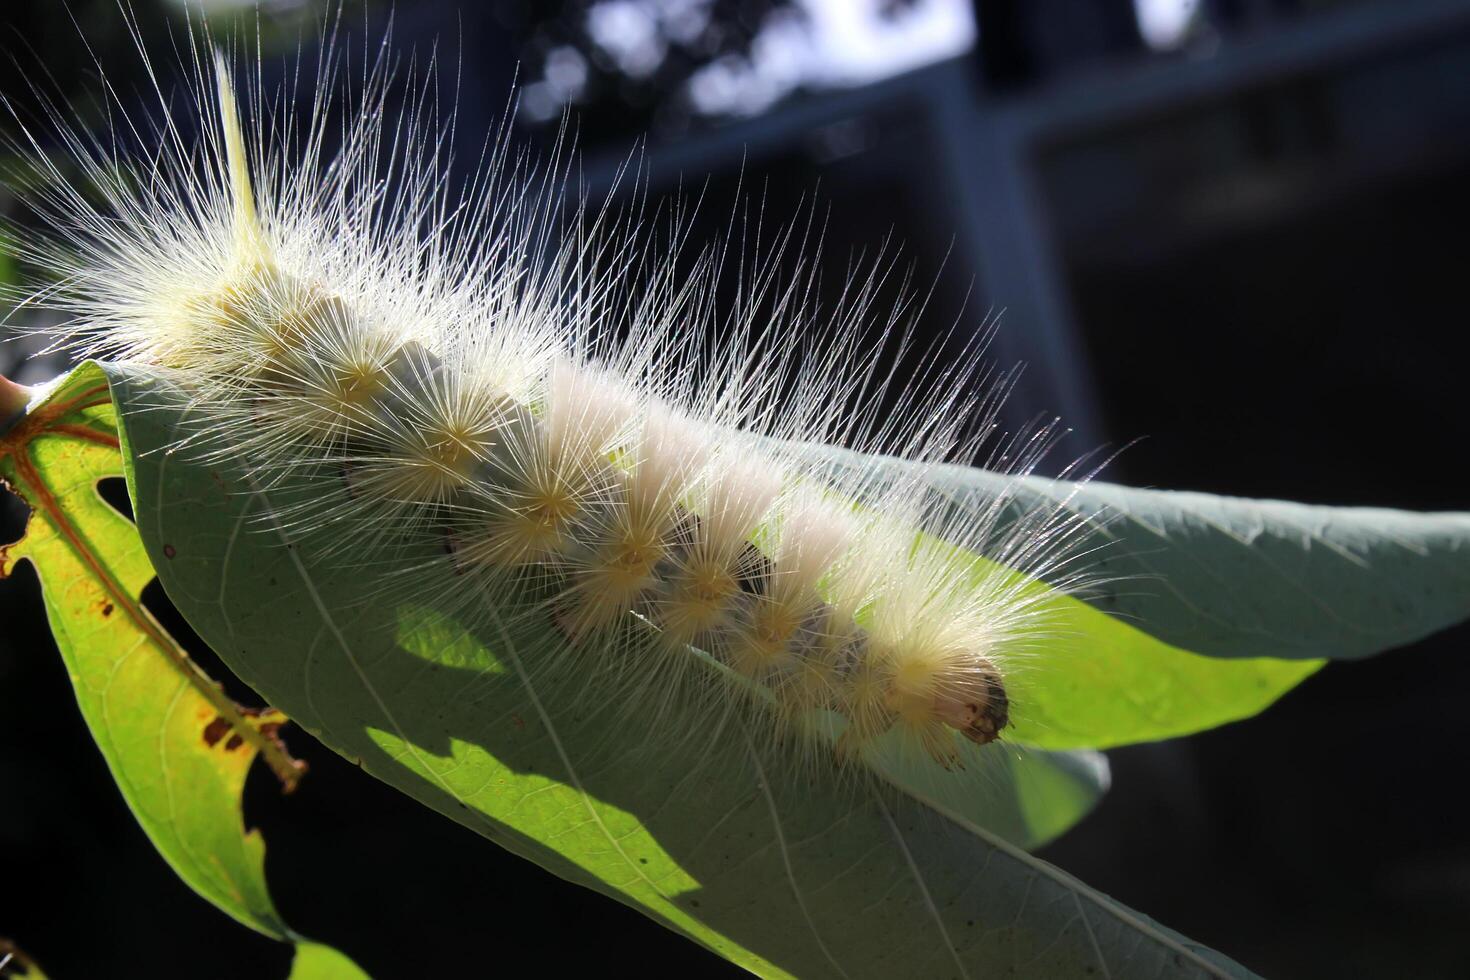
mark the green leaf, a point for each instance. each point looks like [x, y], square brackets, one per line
[176, 746]
[1096, 681]
[784, 870]
[1090, 679]
[313, 961]
[1210, 607]
[1229, 577]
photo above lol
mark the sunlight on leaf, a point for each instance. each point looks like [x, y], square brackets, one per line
[177, 747]
[784, 870]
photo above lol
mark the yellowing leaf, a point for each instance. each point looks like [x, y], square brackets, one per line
[177, 746]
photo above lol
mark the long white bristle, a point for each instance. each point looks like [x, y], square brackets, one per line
[539, 390]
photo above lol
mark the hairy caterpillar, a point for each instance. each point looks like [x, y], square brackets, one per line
[536, 394]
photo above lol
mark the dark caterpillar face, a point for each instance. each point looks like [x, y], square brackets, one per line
[989, 712]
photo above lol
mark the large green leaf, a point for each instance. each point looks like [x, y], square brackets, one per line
[785, 870]
[1229, 577]
[177, 747]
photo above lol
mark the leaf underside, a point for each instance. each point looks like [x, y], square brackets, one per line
[786, 870]
[1217, 607]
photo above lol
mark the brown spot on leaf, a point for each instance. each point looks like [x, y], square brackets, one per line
[234, 743]
[519, 722]
[107, 609]
[215, 730]
[169, 551]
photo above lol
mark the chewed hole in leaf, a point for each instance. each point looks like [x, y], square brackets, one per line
[114, 492]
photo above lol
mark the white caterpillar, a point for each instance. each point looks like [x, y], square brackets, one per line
[538, 394]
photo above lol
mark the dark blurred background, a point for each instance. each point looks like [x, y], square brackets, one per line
[1231, 229]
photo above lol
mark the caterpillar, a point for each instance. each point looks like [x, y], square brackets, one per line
[536, 394]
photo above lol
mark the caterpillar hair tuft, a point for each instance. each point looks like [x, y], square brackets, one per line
[527, 380]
